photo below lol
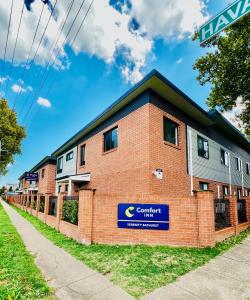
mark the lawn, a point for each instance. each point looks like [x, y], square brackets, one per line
[137, 269]
[19, 276]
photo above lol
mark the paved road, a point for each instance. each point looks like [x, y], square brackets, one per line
[227, 277]
[70, 278]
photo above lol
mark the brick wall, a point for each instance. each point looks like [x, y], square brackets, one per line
[191, 224]
[213, 186]
[47, 183]
[125, 169]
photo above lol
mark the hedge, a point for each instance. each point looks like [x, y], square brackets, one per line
[70, 211]
[42, 204]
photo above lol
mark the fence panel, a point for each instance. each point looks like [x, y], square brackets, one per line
[70, 209]
[222, 213]
[242, 211]
[53, 205]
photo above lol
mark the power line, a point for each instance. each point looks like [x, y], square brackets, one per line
[27, 60]
[80, 27]
[53, 46]
[14, 51]
[6, 44]
[58, 54]
[40, 42]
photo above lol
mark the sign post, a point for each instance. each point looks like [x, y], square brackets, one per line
[143, 216]
[227, 17]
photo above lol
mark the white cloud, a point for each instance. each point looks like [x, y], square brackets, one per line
[20, 88]
[179, 61]
[169, 18]
[232, 115]
[106, 33]
[16, 88]
[3, 79]
[44, 102]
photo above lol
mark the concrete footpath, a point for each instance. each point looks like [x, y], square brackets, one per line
[227, 277]
[70, 278]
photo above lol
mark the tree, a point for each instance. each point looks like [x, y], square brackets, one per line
[11, 135]
[227, 69]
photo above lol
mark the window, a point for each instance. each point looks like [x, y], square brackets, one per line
[248, 168]
[111, 139]
[170, 131]
[238, 164]
[59, 188]
[203, 186]
[66, 187]
[42, 173]
[248, 192]
[59, 165]
[239, 193]
[224, 157]
[82, 153]
[69, 155]
[203, 148]
[225, 190]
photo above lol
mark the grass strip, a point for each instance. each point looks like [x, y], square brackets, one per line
[20, 278]
[137, 269]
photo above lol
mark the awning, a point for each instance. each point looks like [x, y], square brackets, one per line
[76, 178]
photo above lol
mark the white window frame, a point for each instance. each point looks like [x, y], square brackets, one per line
[239, 164]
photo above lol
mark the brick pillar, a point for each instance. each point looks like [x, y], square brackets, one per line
[205, 218]
[59, 209]
[37, 203]
[46, 206]
[248, 208]
[85, 216]
[233, 212]
[31, 203]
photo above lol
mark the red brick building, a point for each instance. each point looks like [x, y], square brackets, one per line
[153, 146]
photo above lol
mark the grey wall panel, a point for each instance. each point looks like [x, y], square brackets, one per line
[212, 168]
[69, 167]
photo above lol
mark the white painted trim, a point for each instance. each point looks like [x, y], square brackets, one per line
[191, 161]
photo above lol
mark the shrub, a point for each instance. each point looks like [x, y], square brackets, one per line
[42, 204]
[70, 211]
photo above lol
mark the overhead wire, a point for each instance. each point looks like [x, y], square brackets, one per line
[58, 52]
[6, 43]
[14, 51]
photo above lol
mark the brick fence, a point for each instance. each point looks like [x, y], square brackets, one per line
[191, 219]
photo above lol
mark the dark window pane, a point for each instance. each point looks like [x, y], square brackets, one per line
[170, 132]
[111, 139]
[203, 147]
[82, 155]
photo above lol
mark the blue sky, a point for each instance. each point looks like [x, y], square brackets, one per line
[89, 83]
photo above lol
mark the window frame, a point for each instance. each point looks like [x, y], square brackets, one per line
[223, 190]
[105, 135]
[69, 155]
[238, 163]
[165, 119]
[58, 171]
[225, 158]
[203, 183]
[198, 149]
[82, 162]
[247, 168]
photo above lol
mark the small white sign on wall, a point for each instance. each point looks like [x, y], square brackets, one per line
[158, 174]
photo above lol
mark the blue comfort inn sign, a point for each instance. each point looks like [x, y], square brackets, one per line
[143, 216]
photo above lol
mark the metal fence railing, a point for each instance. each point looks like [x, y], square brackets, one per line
[70, 209]
[52, 205]
[242, 210]
[42, 204]
[71, 198]
[222, 213]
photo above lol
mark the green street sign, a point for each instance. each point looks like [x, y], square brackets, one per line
[224, 19]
